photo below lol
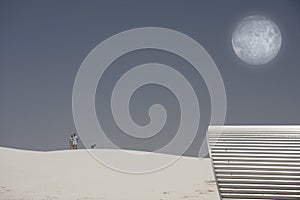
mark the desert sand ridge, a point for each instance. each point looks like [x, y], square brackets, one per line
[76, 175]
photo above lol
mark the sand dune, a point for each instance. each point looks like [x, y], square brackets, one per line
[75, 175]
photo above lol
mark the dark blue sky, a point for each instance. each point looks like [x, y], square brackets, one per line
[43, 44]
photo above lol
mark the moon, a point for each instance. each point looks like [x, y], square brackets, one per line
[256, 40]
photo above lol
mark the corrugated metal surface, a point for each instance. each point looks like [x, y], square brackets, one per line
[256, 162]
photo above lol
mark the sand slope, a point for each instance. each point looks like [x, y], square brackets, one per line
[76, 175]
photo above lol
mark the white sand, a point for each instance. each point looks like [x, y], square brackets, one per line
[30, 175]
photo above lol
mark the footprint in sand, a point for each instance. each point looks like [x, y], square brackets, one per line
[211, 182]
[190, 197]
[168, 192]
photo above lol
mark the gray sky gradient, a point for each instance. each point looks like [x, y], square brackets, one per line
[43, 44]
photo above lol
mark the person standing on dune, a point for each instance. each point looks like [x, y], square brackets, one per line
[75, 141]
[71, 139]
